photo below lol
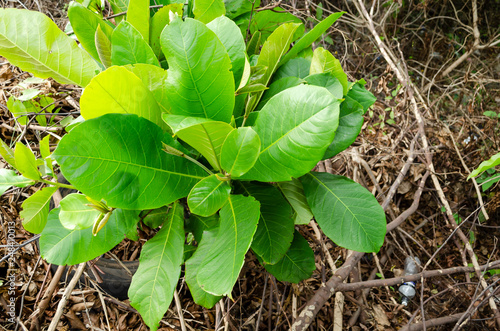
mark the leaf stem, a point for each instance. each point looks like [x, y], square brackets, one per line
[198, 163]
[71, 187]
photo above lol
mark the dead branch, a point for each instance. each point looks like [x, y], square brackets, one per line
[433, 322]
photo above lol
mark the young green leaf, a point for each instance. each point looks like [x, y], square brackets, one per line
[311, 36]
[26, 162]
[201, 297]
[8, 178]
[235, 8]
[485, 165]
[229, 34]
[204, 135]
[155, 280]
[297, 264]
[275, 229]
[222, 264]
[138, 16]
[200, 82]
[359, 93]
[124, 152]
[294, 193]
[206, 10]
[36, 209]
[76, 212]
[47, 54]
[45, 147]
[208, 196]
[158, 22]
[268, 21]
[295, 127]
[324, 61]
[85, 23]
[103, 47]
[129, 47]
[153, 78]
[7, 153]
[328, 81]
[240, 151]
[346, 212]
[61, 246]
[117, 90]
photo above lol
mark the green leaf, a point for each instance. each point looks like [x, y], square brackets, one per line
[324, 61]
[153, 78]
[294, 193]
[158, 22]
[61, 246]
[275, 229]
[328, 81]
[240, 151]
[222, 264]
[297, 264]
[85, 23]
[204, 135]
[206, 10]
[47, 54]
[201, 297]
[295, 128]
[235, 8]
[153, 284]
[346, 212]
[485, 165]
[8, 178]
[230, 36]
[36, 209]
[197, 224]
[7, 153]
[251, 89]
[117, 90]
[298, 67]
[124, 152]
[138, 16]
[277, 87]
[200, 82]
[268, 21]
[208, 196]
[103, 47]
[26, 162]
[362, 95]
[129, 47]
[156, 217]
[76, 212]
[350, 123]
[311, 36]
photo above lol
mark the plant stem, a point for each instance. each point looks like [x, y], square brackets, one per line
[71, 187]
[198, 163]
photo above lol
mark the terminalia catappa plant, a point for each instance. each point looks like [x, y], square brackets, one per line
[192, 130]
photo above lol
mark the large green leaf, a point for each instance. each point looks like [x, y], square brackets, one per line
[268, 21]
[129, 47]
[36, 209]
[298, 67]
[119, 158]
[103, 47]
[204, 135]
[26, 162]
[7, 153]
[328, 81]
[158, 22]
[153, 78]
[200, 82]
[324, 61]
[61, 246]
[117, 90]
[485, 165]
[295, 128]
[201, 297]
[208, 196]
[206, 10]
[138, 16]
[31, 41]
[8, 178]
[222, 264]
[350, 123]
[277, 87]
[154, 282]
[235, 8]
[346, 212]
[229, 34]
[311, 36]
[275, 230]
[240, 151]
[84, 23]
[294, 193]
[76, 212]
[297, 264]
